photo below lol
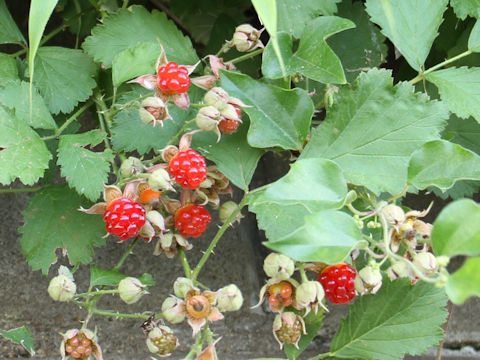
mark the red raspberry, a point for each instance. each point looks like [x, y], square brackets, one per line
[338, 281]
[229, 126]
[173, 79]
[192, 220]
[188, 168]
[124, 218]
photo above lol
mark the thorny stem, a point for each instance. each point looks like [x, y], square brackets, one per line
[97, 292]
[104, 122]
[71, 119]
[125, 254]
[445, 327]
[246, 56]
[215, 240]
[185, 264]
[120, 315]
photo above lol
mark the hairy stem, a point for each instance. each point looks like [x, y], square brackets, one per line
[67, 122]
[246, 56]
[121, 315]
[97, 292]
[125, 254]
[185, 264]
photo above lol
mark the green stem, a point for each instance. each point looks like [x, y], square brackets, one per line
[21, 190]
[71, 119]
[358, 212]
[98, 292]
[303, 274]
[186, 266]
[104, 121]
[321, 356]
[125, 4]
[197, 105]
[120, 315]
[394, 198]
[215, 240]
[421, 75]
[246, 56]
[125, 254]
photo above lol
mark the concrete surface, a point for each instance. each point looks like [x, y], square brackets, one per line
[238, 259]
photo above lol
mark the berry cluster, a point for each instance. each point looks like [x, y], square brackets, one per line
[338, 281]
[79, 347]
[124, 218]
[173, 79]
[280, 295]
[188, 168]
[192, 220]
[229, 126]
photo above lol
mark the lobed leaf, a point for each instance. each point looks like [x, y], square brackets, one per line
[465, 282]
[85, 171]
[464, 8]
[52, 221]
[112, 277]
[373, 128]
[20, 336]
[400, 319]
[9, 31]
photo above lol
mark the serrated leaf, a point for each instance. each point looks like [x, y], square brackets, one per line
[278, 117]
[311, 185]
[460, 89]
[52, 221]
[8, 69]
[456, 230]
[293, 16]
[23, 154]
[313, 324]
[234, 157]
[64, 77]
[465, 282]
[400, 319]
[465, 132]
[112, 277]
[86, 171]
[411, 25]
[80, 16]
[474, 39]
[15, 95]
[441, 163]
[20, 336]
[9, 32]
[314, 58]
[373, 128]
[115, 35]
[360, 48]
[134, 62]
[464, 8]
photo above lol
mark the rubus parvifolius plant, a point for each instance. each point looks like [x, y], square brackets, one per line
[369, 100]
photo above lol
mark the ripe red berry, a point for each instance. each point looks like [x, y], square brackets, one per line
[192, 220]
[173, 79]
[338, 281]
[229, 126]
[188, 168]
[124, 218]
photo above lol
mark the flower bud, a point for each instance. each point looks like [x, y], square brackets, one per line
[160, 180]
[172, 310]
[394, 215]
[156, 219]
[207, 118]
[246, 38]
[368, 281]
[227, 209]
[62, 287]
[426, 262]
[162, 341]
[399, 270]
[288, 328]
[443, 260]
[229, 298]
[130, 167]
[131, 290]
[217, 97]
[153, 110]
[278, 266]
[181, 286]
[309, 295]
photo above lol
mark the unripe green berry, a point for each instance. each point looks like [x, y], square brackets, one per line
[229, 298]
[130, 167]
[131, 290]
[278, 266]
[62, 288]
[172, 310]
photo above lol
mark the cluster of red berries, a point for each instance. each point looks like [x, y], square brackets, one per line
[188, 168]
[192, 220]
[338, 281]
[280, 294]
[172, 79]
[124, 218]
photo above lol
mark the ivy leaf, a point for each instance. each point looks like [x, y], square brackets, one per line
[311, 185]
[441, 163]
[373, 128]
[465, 282]
[22, 153]
[112, 277]
[400, 319]
[8, 69]
[134, 62]
[411, 25]
[115, 35]
[52, 221]
[314, 58]
[313, 324]
[456, 230]
[460, 89]
[360, 48]
[464, 8]
[294, 16]
[16, 95]
[234, 157]
[9, 32]
[474, 39]
[64, 77]
[278, 117]
[20, 336]
[86, 171]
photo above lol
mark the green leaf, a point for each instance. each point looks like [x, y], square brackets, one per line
[400, 319]
[20, 336]
[234, 157]
[86, 171]
[314, 58]
[460, 89]
[465, 282]
[15, 95]
[360, 48]
[441, 163]
[9, 32]
[411, 25]
[474, 39]
[278, 117]
[80, 16]
[313, 324]
[134, 62]
[311, 185]
[64, 77]
[464, 8]
[456, 230]
[8, 69]
[23, 154]
[465, 132]
[112, 277]
[373, 128]
[294, 16]
[52, 221]
[115, 35]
